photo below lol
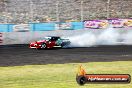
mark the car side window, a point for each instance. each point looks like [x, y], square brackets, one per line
[54, 39]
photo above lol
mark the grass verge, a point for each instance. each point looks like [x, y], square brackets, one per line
[60, 75]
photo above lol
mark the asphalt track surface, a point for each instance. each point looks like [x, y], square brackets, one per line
[18, 55]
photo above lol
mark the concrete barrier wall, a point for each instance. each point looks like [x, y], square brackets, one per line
[27, 37]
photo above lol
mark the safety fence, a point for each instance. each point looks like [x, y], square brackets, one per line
[87, 24]
[41, 26]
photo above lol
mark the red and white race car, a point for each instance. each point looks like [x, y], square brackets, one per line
[50, 42]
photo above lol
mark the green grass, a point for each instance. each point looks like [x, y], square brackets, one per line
[60, 75]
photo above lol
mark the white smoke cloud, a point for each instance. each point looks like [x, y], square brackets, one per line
[84, 40]
[127, 38]
[78, 38]
[108, 36]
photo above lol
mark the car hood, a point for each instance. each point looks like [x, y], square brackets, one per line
[38, 41]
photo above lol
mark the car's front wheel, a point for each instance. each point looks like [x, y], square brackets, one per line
[43, 46]
[65, 44]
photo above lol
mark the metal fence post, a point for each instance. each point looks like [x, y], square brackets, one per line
[108, 9]
[57, 11]
[31, 10]
[82, 11]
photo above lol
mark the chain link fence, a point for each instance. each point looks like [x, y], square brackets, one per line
[25, 11]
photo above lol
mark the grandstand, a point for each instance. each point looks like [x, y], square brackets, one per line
[25, 11]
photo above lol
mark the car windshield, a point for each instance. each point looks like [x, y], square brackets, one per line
[47, 38]
[54, 38]
[50, 38]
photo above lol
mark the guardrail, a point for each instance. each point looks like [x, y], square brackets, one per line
[43, 26]
[6, 27]
[90, 24]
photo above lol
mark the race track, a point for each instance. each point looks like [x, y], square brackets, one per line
[17, 55]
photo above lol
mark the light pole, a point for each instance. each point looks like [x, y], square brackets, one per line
[108, 8]
[57, 12]
[82, 11]
[5, 13]
[31, 10]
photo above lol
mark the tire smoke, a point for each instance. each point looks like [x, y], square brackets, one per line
[110, 36]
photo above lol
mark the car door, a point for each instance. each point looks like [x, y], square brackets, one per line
[52, 41]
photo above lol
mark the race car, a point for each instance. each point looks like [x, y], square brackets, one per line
[50, 42]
